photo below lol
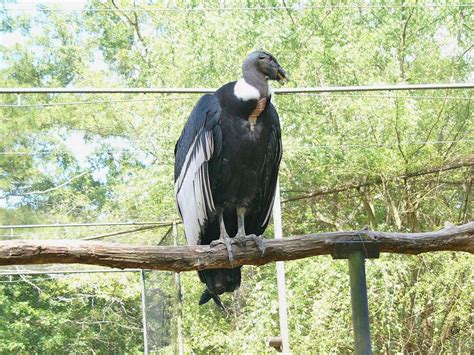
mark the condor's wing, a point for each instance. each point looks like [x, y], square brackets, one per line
[261, 209]
[200, 140]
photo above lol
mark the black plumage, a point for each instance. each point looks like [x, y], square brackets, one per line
[226, 165]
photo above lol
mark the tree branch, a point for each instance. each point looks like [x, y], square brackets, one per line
[378, 180]
[136, 28]
[55, 187]
[186, 258]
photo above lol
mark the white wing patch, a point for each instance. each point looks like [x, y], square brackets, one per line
[270, 210]
[245, 91]
[193, 188]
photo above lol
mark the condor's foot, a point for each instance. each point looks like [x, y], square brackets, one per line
[227, 241]
[260, 241]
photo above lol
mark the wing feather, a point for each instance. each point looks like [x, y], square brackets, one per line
[193, 151]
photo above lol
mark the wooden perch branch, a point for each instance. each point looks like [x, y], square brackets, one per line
[186, 258]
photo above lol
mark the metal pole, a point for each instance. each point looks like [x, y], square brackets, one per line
[145, 323]
[72, 225]
[106, 90]
[177, 279]
[320, 89]
[54, 272]
[396, 87]
[280, 267]
[360, 307]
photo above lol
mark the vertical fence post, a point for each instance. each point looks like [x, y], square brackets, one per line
[360, 306]
[145, 323]
[280, 267]
[177, 279]
[356, 252]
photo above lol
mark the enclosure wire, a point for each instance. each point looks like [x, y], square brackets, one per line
[328, 95]
[242, 8]
[81, 225]
[467, 140]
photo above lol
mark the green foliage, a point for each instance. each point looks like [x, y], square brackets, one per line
[364, 157]
[70, 315]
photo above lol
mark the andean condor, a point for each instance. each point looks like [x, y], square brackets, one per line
[226, 166]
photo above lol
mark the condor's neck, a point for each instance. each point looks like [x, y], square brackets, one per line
[258, 81]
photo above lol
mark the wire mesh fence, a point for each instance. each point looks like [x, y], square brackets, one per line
[147, 302]
[151, 301]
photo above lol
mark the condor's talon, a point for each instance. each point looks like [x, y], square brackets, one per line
[224, 238]
[241, 241]
[260, 242]
[228, 245]
[227, 241]
[215, 243]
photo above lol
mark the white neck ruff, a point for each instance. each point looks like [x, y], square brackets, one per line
[245, 91]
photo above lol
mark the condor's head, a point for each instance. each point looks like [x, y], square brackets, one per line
[263, 65]
[258, 68]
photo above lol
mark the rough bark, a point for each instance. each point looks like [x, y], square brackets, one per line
[186, 258]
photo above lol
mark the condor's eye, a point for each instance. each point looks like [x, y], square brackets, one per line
[262, 57]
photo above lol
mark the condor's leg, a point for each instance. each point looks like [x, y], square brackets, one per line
[224, 237]
[241, 236]
[240, 222]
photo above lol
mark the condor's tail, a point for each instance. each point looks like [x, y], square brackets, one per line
[217, 282]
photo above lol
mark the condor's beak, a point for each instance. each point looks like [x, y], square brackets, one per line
[282, 76]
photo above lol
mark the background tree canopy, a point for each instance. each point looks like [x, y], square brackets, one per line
[393, 161]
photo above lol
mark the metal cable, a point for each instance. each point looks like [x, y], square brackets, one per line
[76, 103]
[301, 90]
[331, 95]
[236, 8]
[316, 146]
[48, 272]
[319, 146]
[74, 225]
